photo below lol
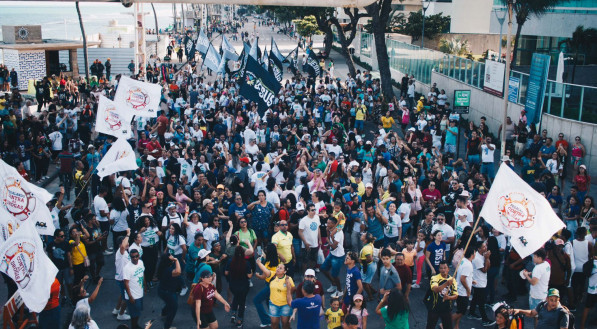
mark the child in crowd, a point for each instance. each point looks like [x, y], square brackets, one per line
[334, 314]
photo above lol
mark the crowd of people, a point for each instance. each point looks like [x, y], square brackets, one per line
[227, 195]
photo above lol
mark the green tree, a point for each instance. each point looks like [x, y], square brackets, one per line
[582, 40]
[434, 25]
[346, 39]
[454, 46]
[380, 15]
[307, 26]
[523, 10]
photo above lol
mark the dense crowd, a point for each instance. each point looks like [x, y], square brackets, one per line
[333, 181]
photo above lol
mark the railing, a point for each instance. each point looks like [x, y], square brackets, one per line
[366, 44]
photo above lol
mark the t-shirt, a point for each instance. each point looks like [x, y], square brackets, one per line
[466, 270]
[334, 317]
[549, 319]
[207, 296]
[318, 288]
[338, 237]
[58, 252]
[542, 272]
[436, 253]
[119, 218]
[90, 325]
[149, 236]
[464, 212]
[277, 287]
[307, 312]
[460, 225]
[78, 252]
[120, 261]
[439, 304]
[486, 153]
[400, 321]
[388, 278]
[284, 244]
[447, 232]
[309, 227]
[479, 276]
[210, 234]
[54, 300]
[352, 276]
[175, 245]
[360, 314]
[99, 204]
[134, 275]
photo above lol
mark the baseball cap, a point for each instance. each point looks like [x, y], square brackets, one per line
[300, 206]
[245, 160]
[309, 272]
[553, 292]
[559, 242]
[357, 297]
[369, 185]
[202, 254]
[206, 202]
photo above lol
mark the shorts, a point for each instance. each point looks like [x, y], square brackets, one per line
[450, 148]
[64, 276]
[207, 319]
[533, 302]
[461, 304]
[135, 309]
[333, 262]
[371, 269]
[591, 300]
[276, 311]
[120, 288]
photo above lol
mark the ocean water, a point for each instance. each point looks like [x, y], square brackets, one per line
[59, 20]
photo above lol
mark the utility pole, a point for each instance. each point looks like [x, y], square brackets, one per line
[501, 21]
[423, 29]
[507, 83]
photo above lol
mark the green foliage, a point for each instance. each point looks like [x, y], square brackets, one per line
[455, 46]
[434, 25]
[307, 26]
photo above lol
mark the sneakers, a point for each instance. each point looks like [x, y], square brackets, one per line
[337, 294]
[331, 289]
[232, 318]
[123, 317]
[184, 291]
[317, 270]
[473, 316]
[264, 325]
[108, 253]
[250, 284]
[488, 323]
[415, 286]
[115, 311]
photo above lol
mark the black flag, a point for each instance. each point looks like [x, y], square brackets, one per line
[292, 58]
[275, 66]
[190, 45]
[312, 64]
[258, 85]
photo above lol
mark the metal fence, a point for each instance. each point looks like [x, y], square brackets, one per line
[565, 100]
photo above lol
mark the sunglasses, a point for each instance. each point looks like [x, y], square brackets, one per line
[243, 222]
[61, 236]
[283, 224]
[135, 257]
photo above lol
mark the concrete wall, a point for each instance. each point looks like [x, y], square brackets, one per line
[492, 107]
[551, 24]
[478, 43]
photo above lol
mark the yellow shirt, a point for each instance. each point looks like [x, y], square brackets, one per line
[77, 257]
[272, 270]
[360, 112]
[367, 250]
[420, 106]
[387, 122]
[284, 244]
[341, 219]
[335, 318]
[277, 288]
[361, 186]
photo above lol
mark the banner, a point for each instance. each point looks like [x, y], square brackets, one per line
[240, 73]
[140, 98]
[513, 89]
[275, 66]
[514, 208]
[23, 259]
[188, 44]
[120, 157]
[254, 52]
[111, 121]
[494, 78]
[536, 87]
[264, 60]
[202, 42]
[212, 58]
[259, 86]
[24, 201]
[312, 64]
[276, 52]
[227, 50]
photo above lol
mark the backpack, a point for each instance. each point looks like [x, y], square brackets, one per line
[571, 318]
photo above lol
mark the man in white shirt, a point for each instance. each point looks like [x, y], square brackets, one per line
[463, 211]
[464, 278]
[487, 150]
[310, 234]
[335, 260]
[258, 179]
[538, 278]
[447, 232]
[102, 212]
[480, 268]
[134, 283]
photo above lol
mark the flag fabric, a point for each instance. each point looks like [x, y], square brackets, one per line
[276, 52]
[222, 66]
[120, 157]
[25, 201]
[291, 55]
[112, 121]
[514, 208]
[211, 59]
[189, 43]
[259, 86]
[275, 66]
[23, 259]
[239, 74]
[140, 98]
[8, 225]
[264, 60]
[312, 64]
[202, 42]
[227, 50]
[292, 58]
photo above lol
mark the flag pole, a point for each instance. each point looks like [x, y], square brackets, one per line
[467, 243]
[507, 79]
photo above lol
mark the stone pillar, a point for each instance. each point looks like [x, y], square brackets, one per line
[73, 62]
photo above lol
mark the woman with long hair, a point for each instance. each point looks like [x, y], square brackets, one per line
[176, 246]
[270, 260]
[150, 238]
[582, 180]
[571, 214]
[238, 271]
[502, 318]
[587, 211]
[279, 300]
[394, 309]
[393, 226]
[119, 215]
[169, 271]
[263, 212]
[577, 155]
[368, 265]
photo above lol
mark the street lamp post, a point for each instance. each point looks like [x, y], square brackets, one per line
[507, 83]
[501, 21]
[423, 29]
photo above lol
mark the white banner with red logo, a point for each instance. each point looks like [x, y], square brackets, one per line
[514, 208]
[23, 259]
[112, 120]
[120, 157]
[141, 98]
[24, 201]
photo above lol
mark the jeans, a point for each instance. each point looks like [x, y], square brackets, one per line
[433, 316]
[355, 241]
[50, 319]
[479, 299]
[491, 277]
[259, 300]
[296, 243]
[239, 291]
[169, 310]
[488, 169]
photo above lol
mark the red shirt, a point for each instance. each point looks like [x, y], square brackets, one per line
[24, 174]
[405, 274]
[163, 123]
[54, 300]
[562, 142]
[318, 289]
[207, 297]
[431, 195]
[143, 143]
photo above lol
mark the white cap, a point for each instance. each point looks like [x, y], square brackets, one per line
[203, 253]
[368, 185]
[300, 206]
[309, 272]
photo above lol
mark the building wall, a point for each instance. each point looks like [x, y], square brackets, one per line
[551, 24]
[29, 64]
[470, 16]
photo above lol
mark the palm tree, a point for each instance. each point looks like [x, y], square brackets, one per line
[86, 58]
[157, 30]
[523, 10]
[455, 46]
[582, 40]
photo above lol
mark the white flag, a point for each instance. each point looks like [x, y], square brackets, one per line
[140, 98]
[8, 225]
[23, 259]
[228, 51]
[113, 121]
[202, 42]
[120, 157]
[24, 201]
[514, 208]
[212, 58]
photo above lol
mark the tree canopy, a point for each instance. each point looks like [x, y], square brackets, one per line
[412, 26]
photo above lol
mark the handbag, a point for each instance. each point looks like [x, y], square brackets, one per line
[191, 297]
[86, 261]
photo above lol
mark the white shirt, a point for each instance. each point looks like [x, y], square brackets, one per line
[99, 204]
[465, 269]
[339, 237]
[175, 247]
[119, 218]
[479, 276]
[337, 149]
[121, 261]
[592, 289]
[404, 209]
[90, 325]
[581, 253]
[134, 274]
[447, 232]
[310, 227]
[210, 234]
[464, 212]
[56, 138]
[460, 225]
[257, 178]
[149, 237]
[393, 226]
[542, 272]
[486, 153]
[173, 219]
[273, 198]
[193, 229]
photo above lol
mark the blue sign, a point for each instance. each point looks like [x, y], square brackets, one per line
[536, 87]
[513, 89]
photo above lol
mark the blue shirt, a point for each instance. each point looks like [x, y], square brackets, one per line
[374, 227]
[436, 254]
[450, 138]
[352, 276]
[308, 312]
